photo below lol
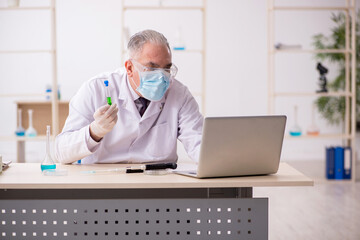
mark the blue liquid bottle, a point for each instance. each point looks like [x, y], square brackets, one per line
[295, 131]
[20, 131]
[48, 162]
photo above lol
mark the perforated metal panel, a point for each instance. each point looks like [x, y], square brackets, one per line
[135, 219]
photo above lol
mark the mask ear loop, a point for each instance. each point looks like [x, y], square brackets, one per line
[132, 78]
[134, 83]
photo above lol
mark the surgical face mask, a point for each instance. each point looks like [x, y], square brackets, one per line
[153, 84]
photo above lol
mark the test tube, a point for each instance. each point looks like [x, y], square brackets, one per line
[107, 92]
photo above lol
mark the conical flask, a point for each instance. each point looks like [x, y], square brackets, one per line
[48, 162]
[295, 130]
[30, 132]
[179, 43]
[20, 131]
[313, 129]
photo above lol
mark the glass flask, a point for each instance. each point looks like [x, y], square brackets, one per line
[48, 162]
[30, 132]
[313, 129]
[295, 130]
[20, 131]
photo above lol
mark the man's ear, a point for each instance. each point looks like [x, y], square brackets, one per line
[129, 68]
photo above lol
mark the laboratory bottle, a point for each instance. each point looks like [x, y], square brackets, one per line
[295, 130]
[20, 131]
[313, 129]
[179, 43]
[48, 162]
[30, 132]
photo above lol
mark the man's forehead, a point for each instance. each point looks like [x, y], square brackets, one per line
[155, 55]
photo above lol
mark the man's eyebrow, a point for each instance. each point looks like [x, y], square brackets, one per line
[154, 65]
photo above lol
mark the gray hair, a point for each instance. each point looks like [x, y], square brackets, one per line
[138, 40]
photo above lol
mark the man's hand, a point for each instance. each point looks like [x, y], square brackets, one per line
[105, 119]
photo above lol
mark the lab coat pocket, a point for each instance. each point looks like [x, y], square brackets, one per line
[160, 141]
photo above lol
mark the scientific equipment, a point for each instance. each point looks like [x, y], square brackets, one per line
[107, 92]
[313, 129]
[295, 131]
[48, 162]
[322, 79]
[48, 90]
[282, 46]
[179, 43]
[136, 169]
[30, 132]
[20, 131]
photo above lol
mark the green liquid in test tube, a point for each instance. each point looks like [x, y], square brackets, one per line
[107, 92]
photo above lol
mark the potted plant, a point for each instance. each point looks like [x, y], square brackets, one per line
[333, 108]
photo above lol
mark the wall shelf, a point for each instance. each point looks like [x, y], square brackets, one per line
[348, 135]
[26, 8]
[289, 8]
[23, 139]
[162, 8]
[310, 51]
[320, 136]
[312, 94]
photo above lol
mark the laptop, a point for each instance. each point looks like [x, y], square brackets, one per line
[240, 146]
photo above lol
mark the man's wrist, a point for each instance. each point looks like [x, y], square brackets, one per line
[93, 135]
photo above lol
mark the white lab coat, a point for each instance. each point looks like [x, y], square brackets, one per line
[134, 139]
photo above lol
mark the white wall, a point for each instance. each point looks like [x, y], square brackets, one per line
[89, 38]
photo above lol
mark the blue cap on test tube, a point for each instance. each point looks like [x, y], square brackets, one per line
[107, 92]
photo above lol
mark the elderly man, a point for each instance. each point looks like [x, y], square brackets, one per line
[150, 111]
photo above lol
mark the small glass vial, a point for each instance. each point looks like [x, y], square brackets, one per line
[48, 162]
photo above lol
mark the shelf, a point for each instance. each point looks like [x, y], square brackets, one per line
[22, 139]
[306, 94]
[349, 9]
[26, 51]
[181, 51]
[44, 102]
[25, 8]
[320, 136]
[187, 51]
[25, 94]
[311, 51]
[312, 8]
[162, 8]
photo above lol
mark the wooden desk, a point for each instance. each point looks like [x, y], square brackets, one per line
[134, 206]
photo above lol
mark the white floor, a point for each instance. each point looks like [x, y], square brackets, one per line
[330, 210]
